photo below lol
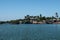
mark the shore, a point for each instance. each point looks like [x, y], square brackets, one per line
[30, 23]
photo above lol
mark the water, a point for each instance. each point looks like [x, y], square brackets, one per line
[30, 32]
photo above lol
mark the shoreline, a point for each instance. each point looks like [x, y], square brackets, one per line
[33, 23]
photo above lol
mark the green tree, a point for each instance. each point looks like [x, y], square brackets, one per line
[40, 15]
[44, 18]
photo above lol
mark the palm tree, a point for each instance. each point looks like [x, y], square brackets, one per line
[56, 16]
[40, 15]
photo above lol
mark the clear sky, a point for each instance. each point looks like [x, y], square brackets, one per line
[16, 9]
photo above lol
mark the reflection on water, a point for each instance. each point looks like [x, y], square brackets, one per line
[30, 32]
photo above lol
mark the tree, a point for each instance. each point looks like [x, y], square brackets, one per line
[53, 17]
[40, 15]
[56, 15]
[44, 18]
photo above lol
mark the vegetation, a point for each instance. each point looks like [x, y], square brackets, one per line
[27, 19]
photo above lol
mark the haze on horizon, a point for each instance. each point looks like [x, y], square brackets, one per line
[17, 9]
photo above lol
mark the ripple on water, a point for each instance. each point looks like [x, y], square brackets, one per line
[29, 32]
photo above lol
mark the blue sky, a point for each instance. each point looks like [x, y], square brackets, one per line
[16, 9]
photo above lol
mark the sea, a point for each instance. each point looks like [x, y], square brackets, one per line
[29, 31]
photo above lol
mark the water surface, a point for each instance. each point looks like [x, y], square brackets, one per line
[30, 32]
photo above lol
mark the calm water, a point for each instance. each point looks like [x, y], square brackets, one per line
[30, 32]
